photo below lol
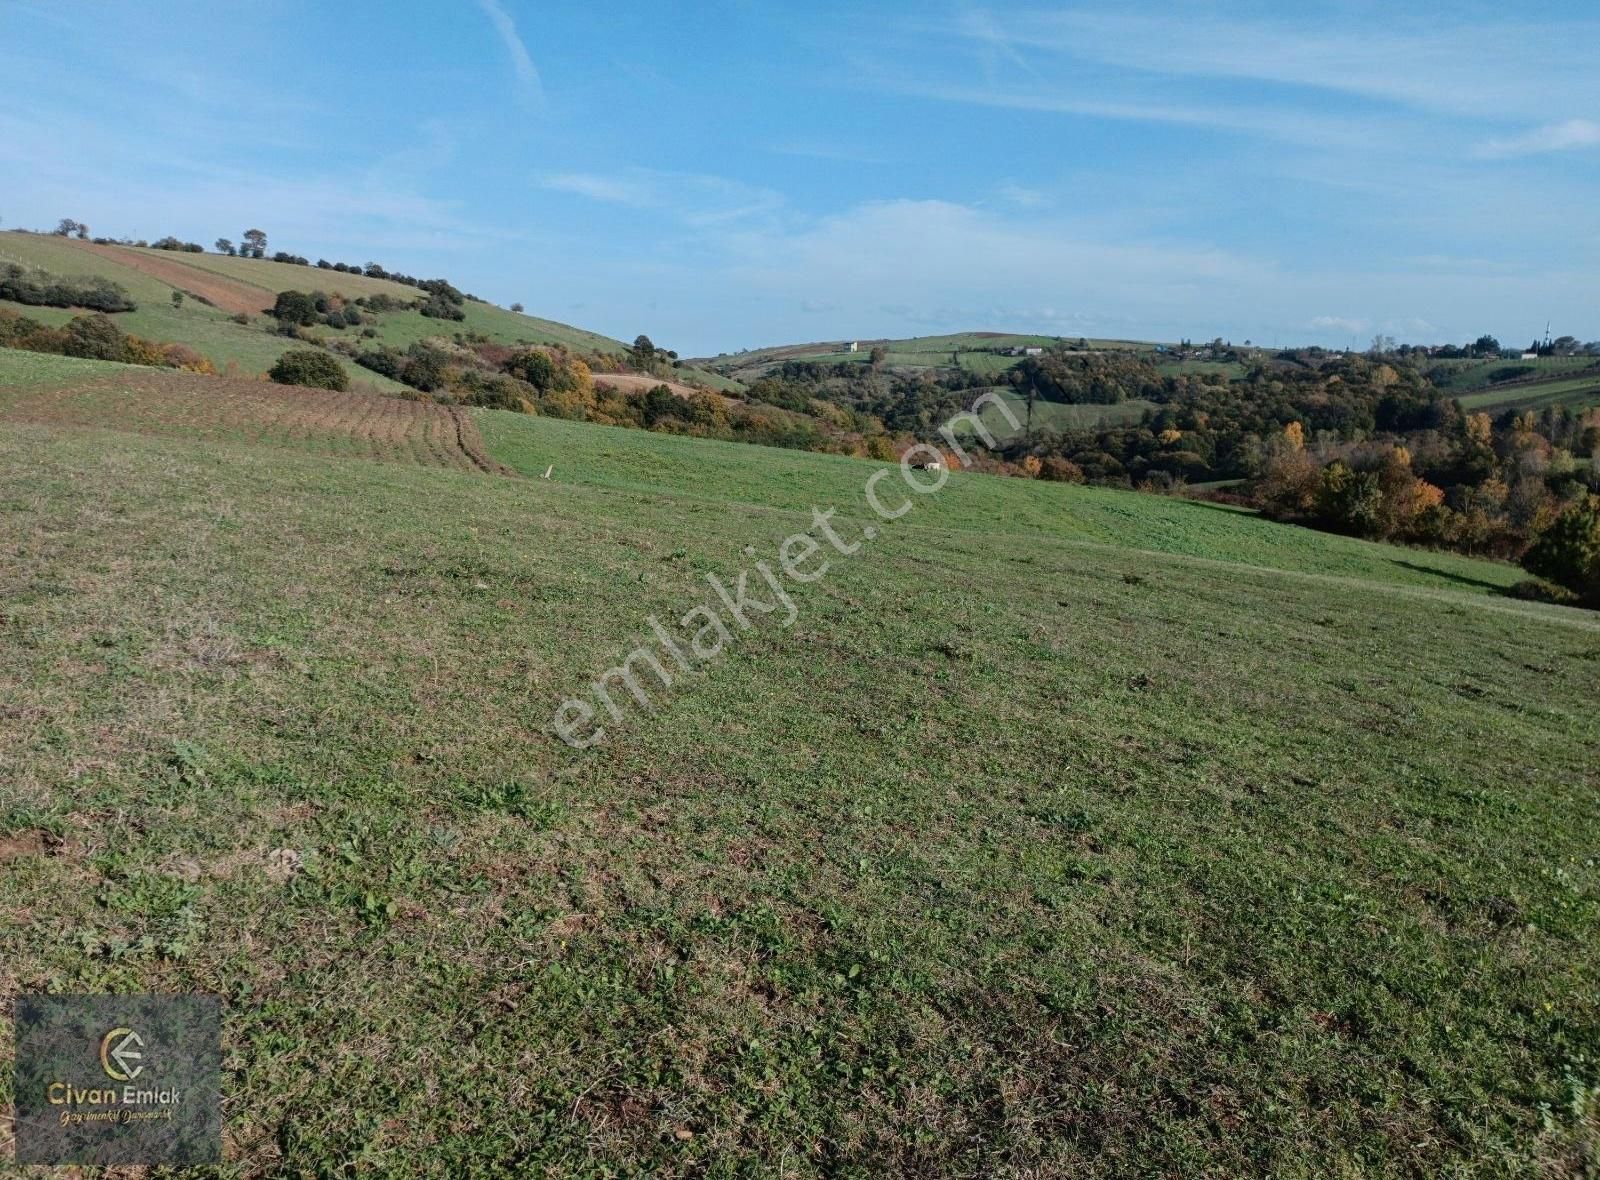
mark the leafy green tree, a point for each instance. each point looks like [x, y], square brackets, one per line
[309, 366]
[1568, 552]
[224, 246]
[295, 308]
[254, 243]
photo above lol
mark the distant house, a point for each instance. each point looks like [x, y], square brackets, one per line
[1029, 351]
[853, 346]
[1530, 356]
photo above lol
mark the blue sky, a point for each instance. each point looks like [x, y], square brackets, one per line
[748, 174]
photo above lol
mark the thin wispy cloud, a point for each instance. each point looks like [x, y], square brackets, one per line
[1571, 135]
[529, 86]
[1019, 194]
[694, 199]
[1285, 125]
[1492, 68]
[598, 188]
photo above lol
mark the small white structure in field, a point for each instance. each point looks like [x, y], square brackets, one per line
[853, 346]
[1530, 356]
[547, 471]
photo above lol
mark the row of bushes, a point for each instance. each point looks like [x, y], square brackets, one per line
[97, 338]
[300, 309]
[38, 288]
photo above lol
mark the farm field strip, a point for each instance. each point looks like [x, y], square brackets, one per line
[228, 294]
[163, 402]
[1575, 392]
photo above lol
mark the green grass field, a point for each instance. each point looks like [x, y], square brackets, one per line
[1576, 393]
[1049, 415]
[916, 352]
[1466, 376]
[1229, 369]
[1066, 831]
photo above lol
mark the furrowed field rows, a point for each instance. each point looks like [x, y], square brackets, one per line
[354, 425]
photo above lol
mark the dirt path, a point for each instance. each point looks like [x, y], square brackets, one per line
[225, 293]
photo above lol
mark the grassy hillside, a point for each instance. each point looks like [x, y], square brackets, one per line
[506, 327]
[1499, 385]
[208, 330]
[1468, 376]
[1066, 831]
[1056, 415]
[255, 347]
[975, 352]
[1576, 393]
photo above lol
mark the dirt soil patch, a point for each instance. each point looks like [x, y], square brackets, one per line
[187, 405]
[229, 295]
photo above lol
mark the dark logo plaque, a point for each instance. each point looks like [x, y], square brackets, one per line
[118, 1080]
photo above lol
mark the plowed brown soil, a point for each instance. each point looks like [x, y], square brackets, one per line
[220, 292]
[166, 402]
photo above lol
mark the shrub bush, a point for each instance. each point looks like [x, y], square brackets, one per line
[1539, 590]
[95, 337]
[312, 367]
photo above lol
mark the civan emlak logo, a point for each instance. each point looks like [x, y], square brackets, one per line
[118, 1080]
[119, 1048]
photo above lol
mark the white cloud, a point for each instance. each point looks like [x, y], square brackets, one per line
[1552, 137]
[1335, 323]
[529, 85]
[928, 264]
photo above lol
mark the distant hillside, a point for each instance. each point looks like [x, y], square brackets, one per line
[1536, 383]
[218, 288]
[982, 353]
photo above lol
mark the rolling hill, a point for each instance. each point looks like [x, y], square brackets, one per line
[1064, 830]
[234, 285]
